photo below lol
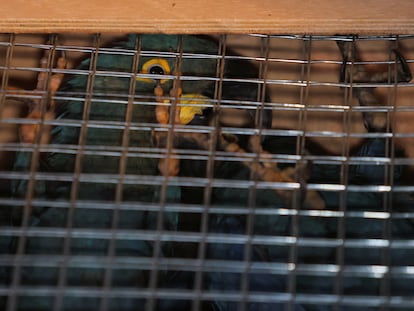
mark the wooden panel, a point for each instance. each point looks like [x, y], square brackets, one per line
[213, 16]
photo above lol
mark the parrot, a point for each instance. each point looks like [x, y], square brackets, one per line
[119, 140]
[98, 162]
[357, 73]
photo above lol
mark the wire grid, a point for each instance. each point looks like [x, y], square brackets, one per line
[88, 225]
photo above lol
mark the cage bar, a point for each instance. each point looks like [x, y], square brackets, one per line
[91, 221]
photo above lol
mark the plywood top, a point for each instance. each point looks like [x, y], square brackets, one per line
[209, 16]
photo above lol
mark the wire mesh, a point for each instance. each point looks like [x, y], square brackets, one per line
[235, 172]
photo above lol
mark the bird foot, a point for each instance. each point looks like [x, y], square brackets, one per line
[266, 169]
[43, 109]
[351, 71]
[356, 73]
[162, 111]
[169, 166]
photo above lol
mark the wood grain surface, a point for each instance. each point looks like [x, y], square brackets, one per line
[214, 16]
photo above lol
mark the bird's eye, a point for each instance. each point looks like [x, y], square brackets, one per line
[156, 66]
[156, 70]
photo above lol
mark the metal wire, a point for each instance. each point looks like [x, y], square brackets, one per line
[355, 254]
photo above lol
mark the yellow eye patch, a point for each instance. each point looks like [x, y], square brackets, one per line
[190, 105]
[158, 66]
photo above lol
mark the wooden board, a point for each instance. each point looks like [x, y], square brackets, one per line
[214, 16]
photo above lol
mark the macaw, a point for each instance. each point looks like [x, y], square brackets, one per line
[102, 159]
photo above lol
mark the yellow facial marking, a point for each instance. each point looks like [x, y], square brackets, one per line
[155, 66]
[191, 104]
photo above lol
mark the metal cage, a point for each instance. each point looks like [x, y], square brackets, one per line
[308, 210]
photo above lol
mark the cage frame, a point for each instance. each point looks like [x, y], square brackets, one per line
[199, 17]
[190, 16]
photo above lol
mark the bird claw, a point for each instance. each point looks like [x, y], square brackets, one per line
[29, 133]
[175, 93]
[267, 170]
[404, 72]
[162, 112]
[169, 166]
[264, 168]
[355, 73]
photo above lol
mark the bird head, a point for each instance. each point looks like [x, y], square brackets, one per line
[165, 58]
